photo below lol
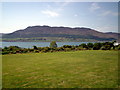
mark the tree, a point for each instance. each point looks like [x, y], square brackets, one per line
[83, 45]
[106, 47]
[35, 47]
[53, 44]
[90, 45]
[67, 46]
[97, 46]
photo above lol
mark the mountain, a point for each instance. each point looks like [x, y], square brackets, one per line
[1, 35]
[62, 32]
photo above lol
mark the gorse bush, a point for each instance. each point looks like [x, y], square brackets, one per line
[53, 48]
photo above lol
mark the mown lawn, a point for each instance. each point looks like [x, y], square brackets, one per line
[0, 71]
[75, 69]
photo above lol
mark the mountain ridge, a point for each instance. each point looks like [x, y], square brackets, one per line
[66, 32]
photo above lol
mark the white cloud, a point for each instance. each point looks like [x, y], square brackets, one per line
[50, 13]
[75, 15]
[94, 6]
[115, 13]
[55, 11]
[61, 5]
[108, 29]
[106, 13]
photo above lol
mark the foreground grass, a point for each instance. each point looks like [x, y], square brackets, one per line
[0, 72]
[79, 69]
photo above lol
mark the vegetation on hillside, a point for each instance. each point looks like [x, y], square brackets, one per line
[53, 48]
[72, 34]
[48, 39]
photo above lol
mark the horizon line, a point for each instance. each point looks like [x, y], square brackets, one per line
[59, 26]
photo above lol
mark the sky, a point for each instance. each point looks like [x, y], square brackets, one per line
[100, 16]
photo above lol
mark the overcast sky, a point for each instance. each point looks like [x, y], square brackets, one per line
[101, 16]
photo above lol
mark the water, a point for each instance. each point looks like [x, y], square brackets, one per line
[38, 44]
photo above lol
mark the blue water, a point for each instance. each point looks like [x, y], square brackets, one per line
[38, 44]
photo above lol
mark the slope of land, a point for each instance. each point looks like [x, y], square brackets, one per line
[47, 33]
[79, 69]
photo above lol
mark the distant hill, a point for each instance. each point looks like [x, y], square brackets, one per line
[62, 32]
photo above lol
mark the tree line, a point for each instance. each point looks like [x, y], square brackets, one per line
[54, 48]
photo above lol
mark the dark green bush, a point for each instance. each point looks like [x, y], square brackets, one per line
[106, 47]
[35, 47]
[67, 46]
[36, 51]
[83, 45]
[97, 46]
[90, 45]
[5, 52]
[53, 48]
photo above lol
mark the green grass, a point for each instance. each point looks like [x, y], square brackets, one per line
[79, 69]
[0, 71]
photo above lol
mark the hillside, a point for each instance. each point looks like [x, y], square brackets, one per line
[61, 32]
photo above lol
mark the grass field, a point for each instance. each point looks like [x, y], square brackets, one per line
[79, 69]
[0, 71]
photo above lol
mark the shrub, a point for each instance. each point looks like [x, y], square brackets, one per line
[97, 46]
[67, 46]
[5, 52]
[117, 47]
[83, 45]
[24, 50]
[60, 49]
[67, 49]
[90, 45]
[79, 48]
[30, 50]
[106, 47]
[35, 47]
[53, 44]
[44, 51]
[36, 51]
